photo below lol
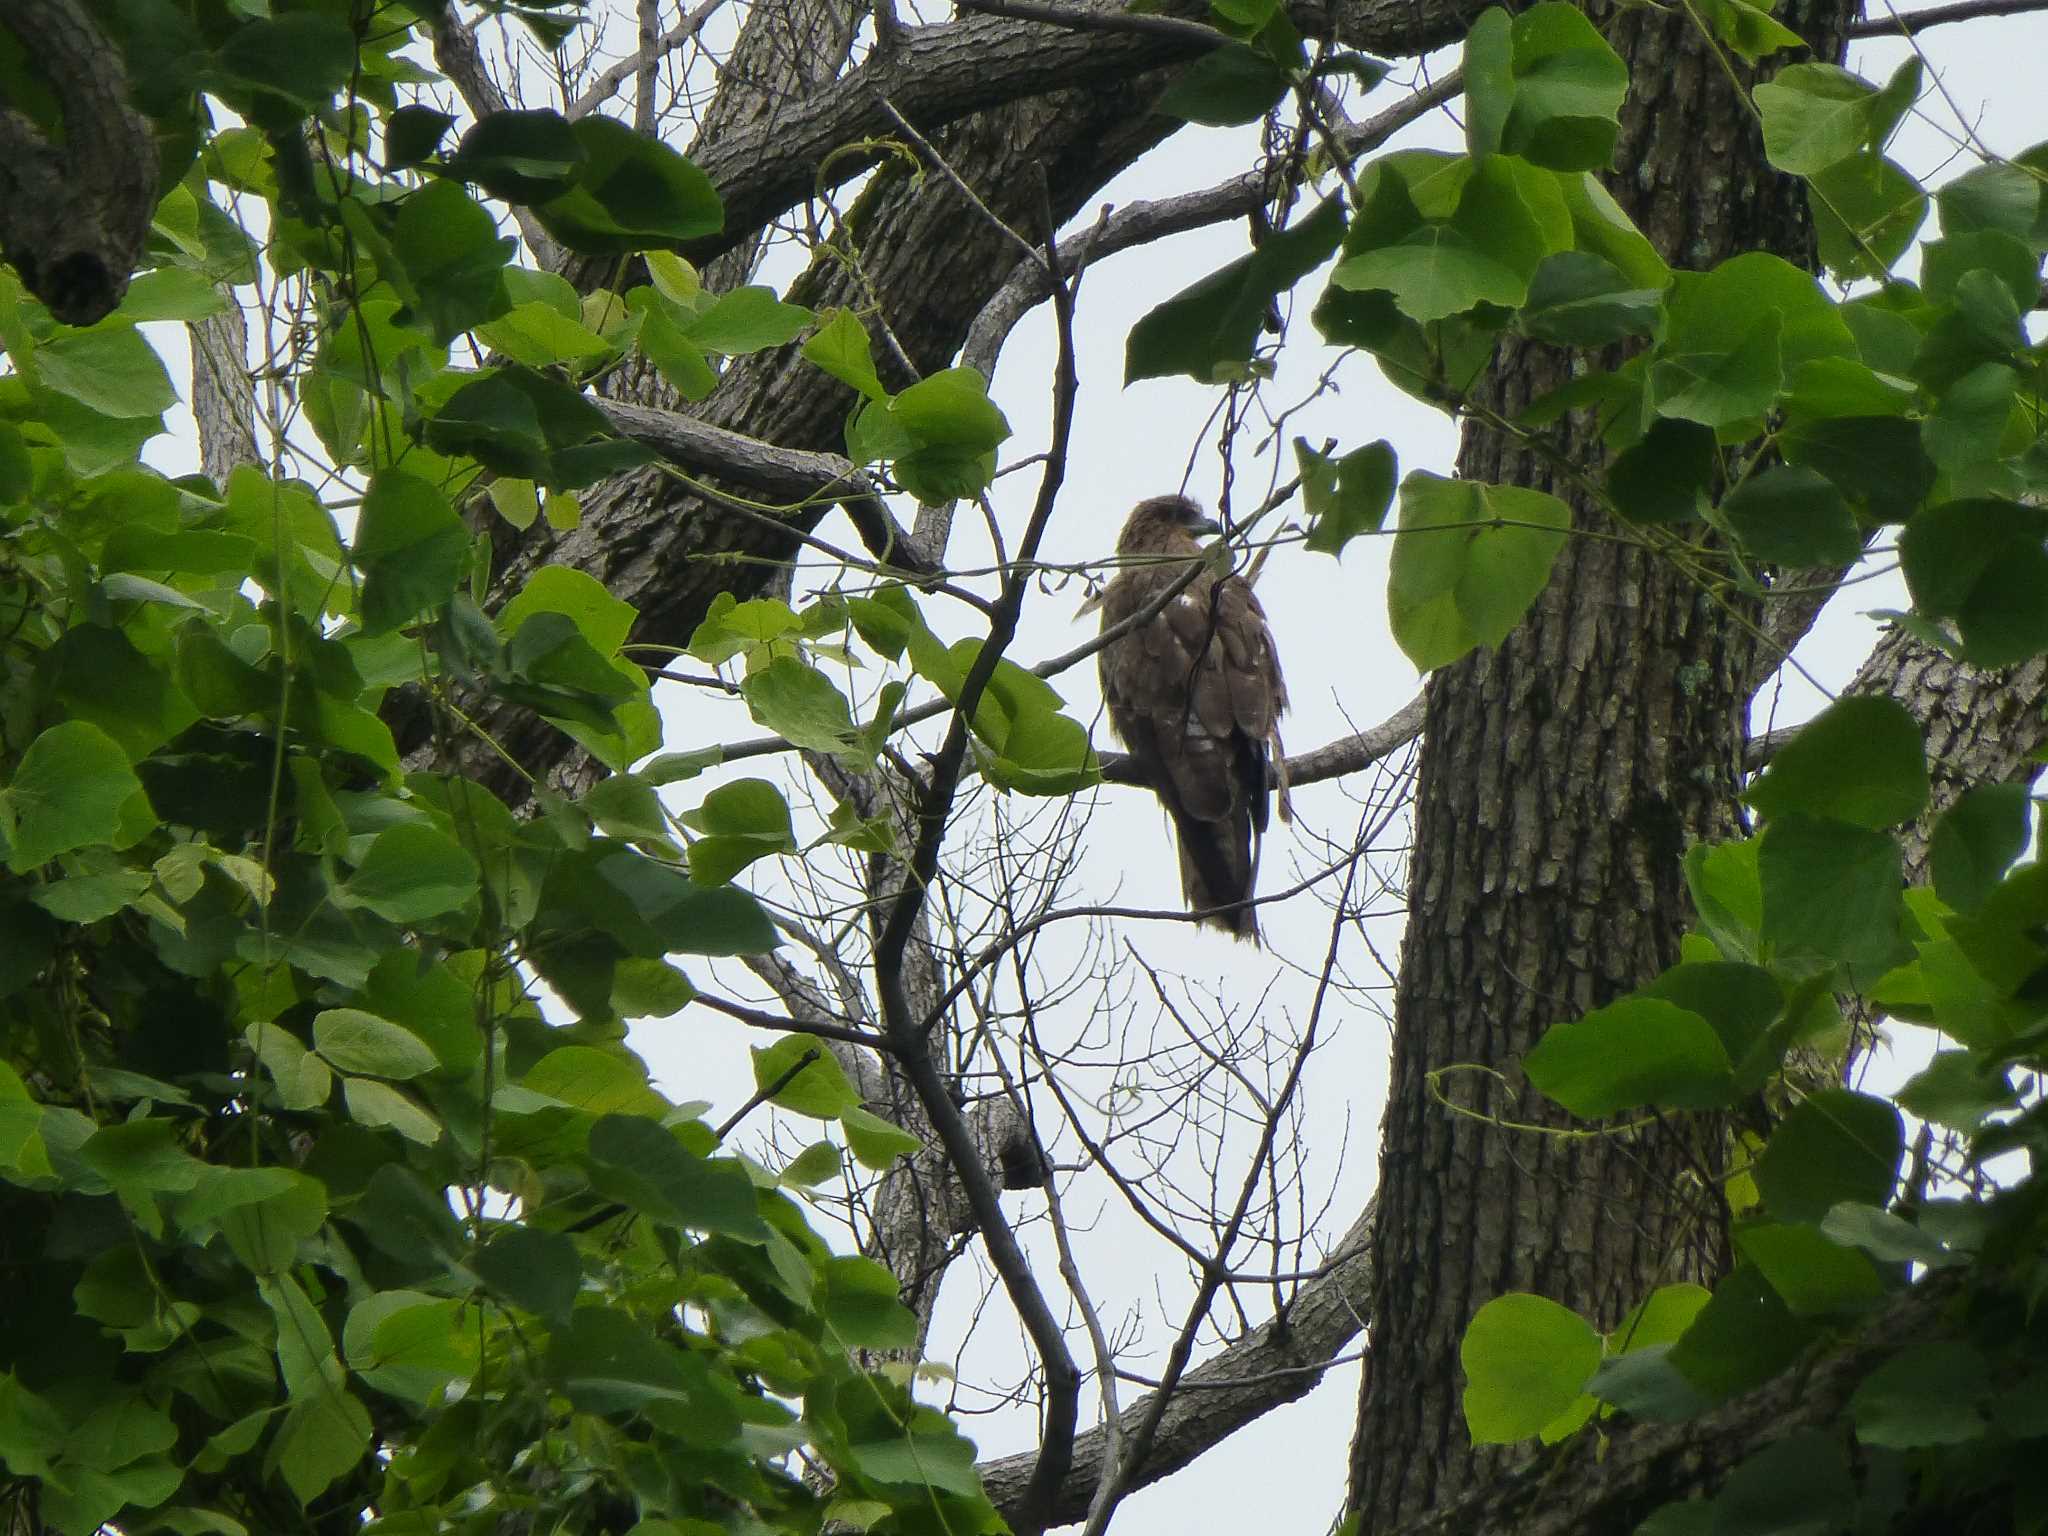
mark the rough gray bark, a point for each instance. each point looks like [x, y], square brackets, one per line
[1561, 777]
[223, 393]
[75, 208]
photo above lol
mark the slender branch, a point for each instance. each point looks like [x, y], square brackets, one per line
[907, 1033]
[760, 1018]
[1142, 223]
[644, 58]
[767, 1091]
[1912, 23]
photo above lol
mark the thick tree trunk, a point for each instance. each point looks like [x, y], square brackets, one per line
[1561, 777]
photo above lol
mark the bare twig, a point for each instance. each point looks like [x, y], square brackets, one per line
[767, 1091]
[642, 62]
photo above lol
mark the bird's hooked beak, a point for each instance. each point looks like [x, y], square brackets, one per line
[1208, 525]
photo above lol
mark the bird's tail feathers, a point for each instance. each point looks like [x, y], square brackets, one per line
[1219, 869]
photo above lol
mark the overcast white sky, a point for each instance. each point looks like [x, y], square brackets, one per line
[1344, 672]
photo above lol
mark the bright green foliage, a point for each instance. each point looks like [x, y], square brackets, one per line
[1470, 560]
[313, 1218]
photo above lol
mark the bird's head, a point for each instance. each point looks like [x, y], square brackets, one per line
[1162, 523]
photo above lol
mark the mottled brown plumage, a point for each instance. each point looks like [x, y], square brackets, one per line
[1195, 693]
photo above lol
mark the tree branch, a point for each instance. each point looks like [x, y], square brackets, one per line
[644, 58]
[789, 475]
[1277, 1363]
[1913, 23]
[1141, 223]
[75, 213]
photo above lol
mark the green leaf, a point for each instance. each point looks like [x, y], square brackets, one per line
[1526, 1360]
[356, 1041]
[413, 133]
[99, 676]
[302, 1078]
[1885, 1237]
[1876, 461]
[1752, 32]
[322, 1439]
[1208, 331]
[412, 873]
[520, 156]
[1976, 841]
[69, 790]
[1815, 1277]
[874, 1142]
[1580, 299]
[643, 1164]
[1544, 85]
[1486, 252]
[748, 319]
[840, 346]
[1660, 1318]
[631, 194]
[625, 805]
[1637, 1051]
[1229, 85]
[1866, 211]
[951, 407]
[1834, 1146]
[602, 619]
[1742, 1337]
[1665, 476]
[862, 1304]
[1861, 760]
[1346, 496]
[800, 704]
[379, 1106]
[171, 293]
[109, 369]
[1468, 562]
[451, 252]
[1799, 1482]
[814, 1165]
[288, 67]
[411, 548]
[819, 1089]
[1815, 115]
[1930, 1393]
[1735, 334]
[1722, 389]
[1983, 564]
[921, 1460]
[1791, 515]
[539, 335]
[410, 1345]
[1997, 195]
[743, 821]
[1831, 889]
[679, 360]
[531, 1268]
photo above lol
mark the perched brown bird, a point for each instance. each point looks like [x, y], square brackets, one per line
[1195, 693]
